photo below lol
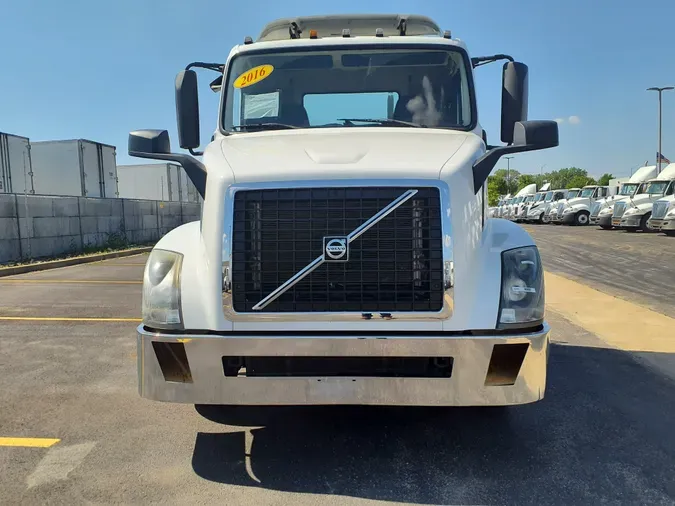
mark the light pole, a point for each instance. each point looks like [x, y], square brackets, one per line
[508, 172]
[659, 153]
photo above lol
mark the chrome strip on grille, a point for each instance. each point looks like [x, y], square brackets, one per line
[619, 209]
[660, 209]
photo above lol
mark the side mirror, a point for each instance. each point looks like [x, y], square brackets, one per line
[535, 135]
[155, 144]
[149, 142]
[187, 109]
[514, 97]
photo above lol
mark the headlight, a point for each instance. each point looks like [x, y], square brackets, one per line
[161, 290]
[522, 295]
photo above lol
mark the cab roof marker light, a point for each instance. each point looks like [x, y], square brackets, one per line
[346, 33]
[313, 34]
[379, 32]
[248, 40]
[447, 34]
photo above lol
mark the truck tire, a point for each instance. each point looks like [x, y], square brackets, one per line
[606, 227]
[671, 233]
[581, 218]
[644, 225]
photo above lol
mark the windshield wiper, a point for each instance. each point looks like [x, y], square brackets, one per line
[385, 122]
[263, 126]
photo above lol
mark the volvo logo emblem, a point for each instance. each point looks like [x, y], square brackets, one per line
[336, 249]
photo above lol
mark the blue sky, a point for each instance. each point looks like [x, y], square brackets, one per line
[83, 69]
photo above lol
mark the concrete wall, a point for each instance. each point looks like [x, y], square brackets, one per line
[40, 226]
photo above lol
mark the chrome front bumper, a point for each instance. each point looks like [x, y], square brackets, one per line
[662, 223]
[477, 378]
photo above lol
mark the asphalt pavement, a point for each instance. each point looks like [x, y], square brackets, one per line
[603, 433]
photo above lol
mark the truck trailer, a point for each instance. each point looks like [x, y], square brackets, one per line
[16, 173]
[344, 256]
[75, 167]
[155, 181]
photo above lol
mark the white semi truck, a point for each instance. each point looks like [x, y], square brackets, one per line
[601, 212]
[344, 255]
[577, 211]
[540, 211]
[663, 215]
[635, 213]
[556, 212]
[521, 202]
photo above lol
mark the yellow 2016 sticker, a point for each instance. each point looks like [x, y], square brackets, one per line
[252, 76]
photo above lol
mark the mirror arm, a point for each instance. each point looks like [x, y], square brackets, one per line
[484, 165]
[194, 169]
[195, 153]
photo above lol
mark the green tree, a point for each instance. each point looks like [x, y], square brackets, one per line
[580, 181]
[510, 182]
[526, 179]
[604, 179]
[494, 190]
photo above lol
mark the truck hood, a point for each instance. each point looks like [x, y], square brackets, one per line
[645, 198]
[578, 201]
[340, 153]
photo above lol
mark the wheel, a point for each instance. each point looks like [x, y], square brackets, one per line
[544, 219]
[581, 218]
[671, 233]
[644, 225]
[606, 227]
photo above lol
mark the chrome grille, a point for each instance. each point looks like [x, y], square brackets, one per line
[561, 206]
[619, 209]
[397, 265]
[595, 210]
[660, 209]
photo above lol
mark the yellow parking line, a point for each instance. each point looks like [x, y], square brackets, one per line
[619, 323]
[66, 319]
[32, 442]
[71, 281]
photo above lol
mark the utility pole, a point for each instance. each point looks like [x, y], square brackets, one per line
[659, 154]
[508, 172]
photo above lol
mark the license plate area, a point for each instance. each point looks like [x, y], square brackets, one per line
[336, 367]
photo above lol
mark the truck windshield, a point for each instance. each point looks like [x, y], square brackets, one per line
[657, 187]
[588, 192]
[629, 188]
[549, 197]
[348, 86]
[572, 194]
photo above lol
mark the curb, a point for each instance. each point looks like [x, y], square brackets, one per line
[55, 264]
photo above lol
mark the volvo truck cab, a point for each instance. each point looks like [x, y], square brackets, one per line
[344, 255]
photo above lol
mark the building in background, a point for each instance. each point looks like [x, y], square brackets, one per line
[156, 181]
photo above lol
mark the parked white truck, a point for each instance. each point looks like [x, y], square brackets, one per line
[345, 258]
[518, 207]
[601, 212]
[663, 215]
[540, 211]
[635, 213]
[556, 212]
[577, 211]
